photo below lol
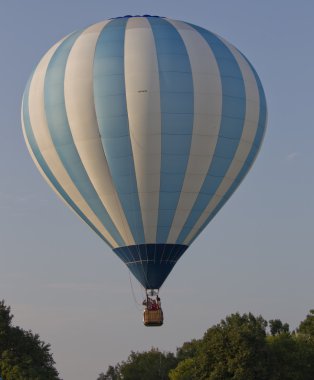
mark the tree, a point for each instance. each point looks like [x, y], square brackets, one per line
[187, 367]
[277, 327]
[238, 348]
[5, 325]
[111, 374]
[149, 365]
[291, 357]
[234, 349]
[22, 354]
[185, 370]
[307, 326]
[188, 350]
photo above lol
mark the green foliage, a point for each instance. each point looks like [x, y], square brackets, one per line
[23, 356]
[235, 349]
[185, 370]
[277, 327]
[238, 348]
[150, 365]
[307, 326]
[5, 318]
[111, 374]
[189, 349]
[292, 357]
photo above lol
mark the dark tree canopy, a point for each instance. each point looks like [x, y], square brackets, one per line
[188, 350]
[277, 327]
[307, 326]
[233, 349]
[150, 365]
[23, 356]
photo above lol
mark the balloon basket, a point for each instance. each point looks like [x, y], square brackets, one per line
[153, 318]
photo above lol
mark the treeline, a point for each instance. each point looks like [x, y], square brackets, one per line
[241, 347]
[23, 356]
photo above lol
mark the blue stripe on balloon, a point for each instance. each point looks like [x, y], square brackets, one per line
[41, 161]
[231, 127]
[252, 154]
[62, 137]
[177, 114]
[112, 117]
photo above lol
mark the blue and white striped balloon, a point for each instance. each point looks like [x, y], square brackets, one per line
[145, 126]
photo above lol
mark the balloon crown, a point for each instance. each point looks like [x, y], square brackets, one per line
[129, 16]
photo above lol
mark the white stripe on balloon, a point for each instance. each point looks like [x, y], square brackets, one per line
[143, 105]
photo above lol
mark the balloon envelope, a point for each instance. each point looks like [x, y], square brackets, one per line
[144, 126]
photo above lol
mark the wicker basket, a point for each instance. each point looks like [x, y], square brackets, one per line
[153, 317]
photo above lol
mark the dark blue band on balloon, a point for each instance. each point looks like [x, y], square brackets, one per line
[151, 263]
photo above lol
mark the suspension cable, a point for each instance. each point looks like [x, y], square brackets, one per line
[138, 305]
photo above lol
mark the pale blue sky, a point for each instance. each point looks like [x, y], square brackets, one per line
[256, 255]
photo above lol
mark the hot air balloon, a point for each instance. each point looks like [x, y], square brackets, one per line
[144, 126]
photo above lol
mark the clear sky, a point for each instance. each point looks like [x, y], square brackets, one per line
[257, 254]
